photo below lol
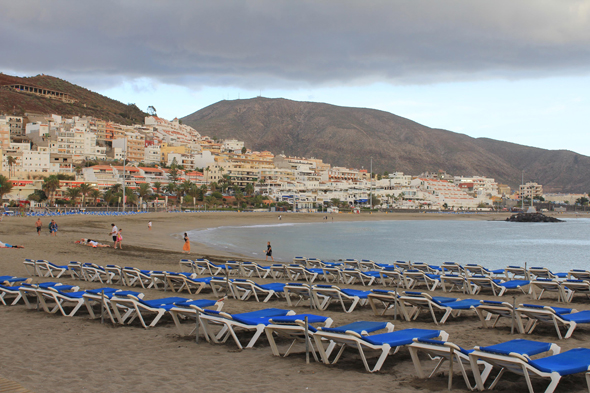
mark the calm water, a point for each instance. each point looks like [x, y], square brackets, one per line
[559, 246]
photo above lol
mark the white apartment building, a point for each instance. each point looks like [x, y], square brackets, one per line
[232, 145]
[483, 187]
[152, 154]
[439, 192]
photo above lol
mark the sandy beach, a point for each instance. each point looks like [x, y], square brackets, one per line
[49, 353]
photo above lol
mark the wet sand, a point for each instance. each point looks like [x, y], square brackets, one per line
[47, 353]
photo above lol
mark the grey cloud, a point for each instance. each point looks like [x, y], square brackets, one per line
[274, 43]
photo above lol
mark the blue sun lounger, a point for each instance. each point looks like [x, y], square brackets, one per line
[385, 343]
[423, 301]
[498, 287]
[446, 351]
[250, 321]
[293, 328]
[137, 307]
[190, 309]
[178, 282]
[244, 289]
[323, 295]
[556, 316]
[551, 367]
[94, 297]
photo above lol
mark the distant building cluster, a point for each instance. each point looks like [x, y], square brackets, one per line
[37, 145]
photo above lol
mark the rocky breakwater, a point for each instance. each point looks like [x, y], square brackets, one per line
[531, 217]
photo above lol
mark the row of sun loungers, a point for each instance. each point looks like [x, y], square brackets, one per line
[365, 336]
[410, 304]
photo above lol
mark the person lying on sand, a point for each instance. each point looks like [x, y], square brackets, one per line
[6, 245]
[91, 243]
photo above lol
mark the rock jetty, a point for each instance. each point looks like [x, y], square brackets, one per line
[531, 217]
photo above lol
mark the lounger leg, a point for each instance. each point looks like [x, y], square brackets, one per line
[321, 351]
[380, 361]
[497, 379]
[476, 374]
[272, 342]
[417, 364]
[259, 331]
[571, 329]
[557, 327]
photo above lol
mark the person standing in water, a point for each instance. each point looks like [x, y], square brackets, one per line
[269, 252]
[187, 244]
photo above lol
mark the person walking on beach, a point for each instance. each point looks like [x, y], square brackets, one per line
[119, 240]
[53, 228]
[150, 225]
[39, 225]
[114, 231]
[269, 252]
[187, 245]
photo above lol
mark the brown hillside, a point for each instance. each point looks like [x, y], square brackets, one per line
[350, 136]
[88, 103]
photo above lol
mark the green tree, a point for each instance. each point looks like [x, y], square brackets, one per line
[208, 200]
[244, 150]
[158, 187]
[94, 194]
[37, 196]
[116, 188]
[239, 197]
[73, 193]
[144, 190]
[213, 186]
[11, 162]
[85, 188]
[5, 186]
[131, 196]
[249, 189]
[50, 185]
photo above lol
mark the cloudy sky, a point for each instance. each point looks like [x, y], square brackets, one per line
[517, 71]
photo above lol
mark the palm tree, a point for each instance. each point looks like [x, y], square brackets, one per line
[131, 197]
[85, 188]
[249, 189]
[209, 200]
[50, 185]
[11, 162]
[94, 194]
[73, 193]
[5, 186]
[109, 196]
[116, 188]
[239, 196]
[213, 186]
[144, 190]
[158, 187]
[194, 191]
[184, 188]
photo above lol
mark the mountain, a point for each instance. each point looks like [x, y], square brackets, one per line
[349, 137]
[86, 102]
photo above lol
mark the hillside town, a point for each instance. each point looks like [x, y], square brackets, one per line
[49, 159]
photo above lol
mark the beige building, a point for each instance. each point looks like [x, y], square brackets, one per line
[531, 189]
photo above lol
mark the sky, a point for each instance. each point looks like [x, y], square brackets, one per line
[517, 71]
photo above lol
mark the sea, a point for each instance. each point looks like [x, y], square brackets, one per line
[494, 244]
